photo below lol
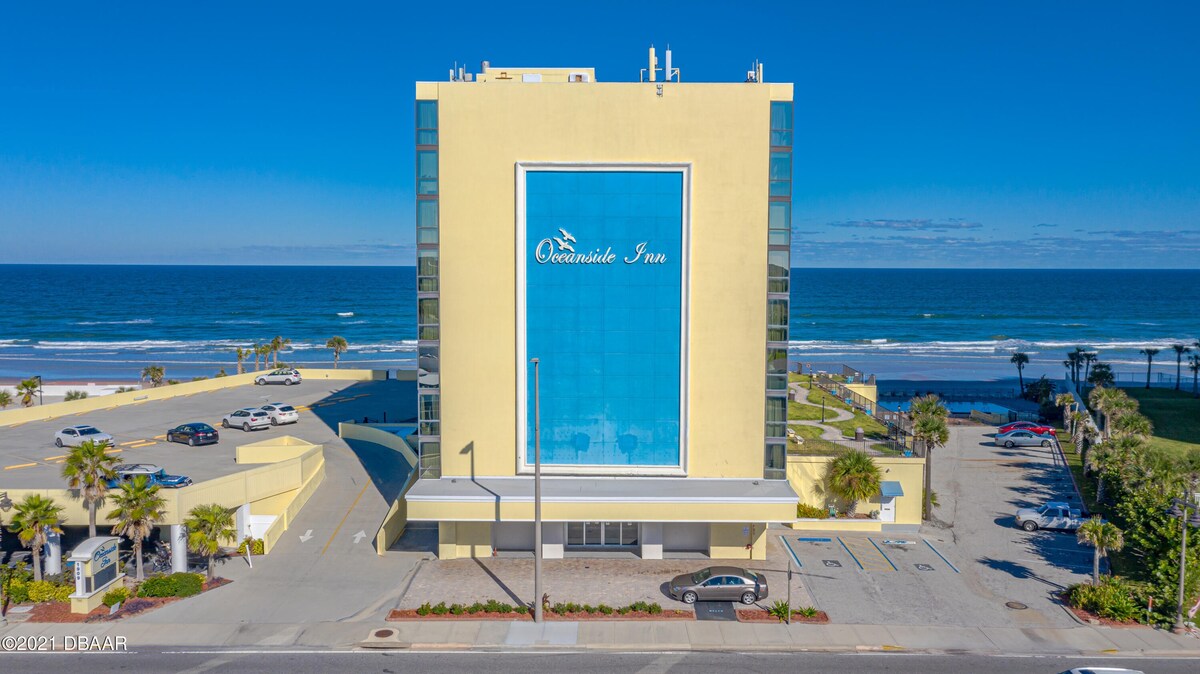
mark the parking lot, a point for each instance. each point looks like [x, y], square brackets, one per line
[29, 458]
[970, 564]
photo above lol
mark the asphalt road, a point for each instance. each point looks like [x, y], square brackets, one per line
[598, 663]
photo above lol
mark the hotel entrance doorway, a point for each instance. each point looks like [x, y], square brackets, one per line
[602, 534]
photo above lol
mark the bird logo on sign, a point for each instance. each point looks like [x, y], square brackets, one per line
[565, 242]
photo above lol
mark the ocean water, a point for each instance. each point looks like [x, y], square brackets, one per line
[107, 322]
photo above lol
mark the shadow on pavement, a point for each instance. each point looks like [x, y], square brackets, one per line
[1017, 570]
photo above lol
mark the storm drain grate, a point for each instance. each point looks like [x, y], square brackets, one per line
[1016, 605]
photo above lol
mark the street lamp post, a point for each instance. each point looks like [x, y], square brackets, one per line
[822, 407]
[1180, 508]
[537, 495]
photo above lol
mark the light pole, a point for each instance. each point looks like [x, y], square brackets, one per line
[1180, 508]
[822, 407]
[537, 495]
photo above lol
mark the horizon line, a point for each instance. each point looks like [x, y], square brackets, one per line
[413, 266]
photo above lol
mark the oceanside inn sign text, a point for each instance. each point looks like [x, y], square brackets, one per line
[561, 250]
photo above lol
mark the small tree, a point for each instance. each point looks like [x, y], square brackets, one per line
[932, 432]
[1132, 424]
[853, 477]
[1103, 536]
[138, 509]
[154, 373]
[241, 359]
[1193, 365]
[27, 389]
[1020, 359]
[75, 395]
[1149, 354]
[278, 344]
[36, 516]
[207, 526]
[1101, 375]
[339, 346]
[1066, 401]
[5, 398]
[1179, 349]
[87, 470]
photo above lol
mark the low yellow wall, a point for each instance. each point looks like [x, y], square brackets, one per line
[868, 391]
[273, 450]
[838, 524]
[49, 411]
[367, 433]
[84, 605]
[806, 475]
[396, 519]
[729, 541]
[462, 540]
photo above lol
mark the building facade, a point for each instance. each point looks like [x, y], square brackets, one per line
[633, 238]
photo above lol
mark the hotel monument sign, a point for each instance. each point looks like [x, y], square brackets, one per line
[561, 250]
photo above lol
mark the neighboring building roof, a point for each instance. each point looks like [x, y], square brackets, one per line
[613, 489]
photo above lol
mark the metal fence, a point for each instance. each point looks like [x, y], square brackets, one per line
[898, 425]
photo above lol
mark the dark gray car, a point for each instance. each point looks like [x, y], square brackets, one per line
[720, 583]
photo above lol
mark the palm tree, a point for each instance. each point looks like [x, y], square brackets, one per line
[339, 346]
[278, 344]
[87, 470]
[1107, 401]
[932, 432]
[1110, 458]
[1065, 401]
[241, 359]
[27, 389]
[138, 509]
[927, 406]
[1180, 349]
[1073, 361]
[5, 399]
[1149, 354]
[1089, 357]
[155, 373]
[207, 526]
[1103, 536]
[260, 351]
[853, 477]
[1193, 365]
[36, 516]
[1132, 424]
[1020, 359]
[1101, 375]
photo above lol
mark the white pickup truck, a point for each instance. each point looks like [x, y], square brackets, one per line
[1053, 515]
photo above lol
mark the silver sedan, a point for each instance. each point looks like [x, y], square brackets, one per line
[72, 436]
[1023, 438]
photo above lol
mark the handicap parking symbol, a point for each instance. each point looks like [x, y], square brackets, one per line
[924, 567]
[832, 563]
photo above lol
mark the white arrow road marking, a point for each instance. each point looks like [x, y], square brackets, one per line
[359, 536]
[307, 535]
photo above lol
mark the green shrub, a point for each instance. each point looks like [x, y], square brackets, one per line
[604, 609]
[115, 596]
[18, 591]
[780, 610]
[655, 609]
[806, 612]
[1113, 598]
[806, 511]
[440, 609]
[174, 585]
[587, 608]
[75, 395]
[522, 610]
[44, 590]
[456, 609]
[424, 609]
[257, 547]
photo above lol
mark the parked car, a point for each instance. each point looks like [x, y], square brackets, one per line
[1040, 429]
[1023, 438]
[247, 419]
[1102, 670]
[73, 435]
[720, 583]
[281, 413]
[286, 376]
[126, 472]
[1053, 515]
[194, 434]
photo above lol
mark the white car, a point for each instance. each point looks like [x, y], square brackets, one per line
[73, 435]
[247, 419]
[281, 413]
[286, 376]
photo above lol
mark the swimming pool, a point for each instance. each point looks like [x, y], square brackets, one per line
[955, 406]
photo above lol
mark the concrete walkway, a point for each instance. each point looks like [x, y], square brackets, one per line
[640, 636]
[829, 433]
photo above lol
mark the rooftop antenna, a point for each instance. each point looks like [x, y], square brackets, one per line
[667, 70]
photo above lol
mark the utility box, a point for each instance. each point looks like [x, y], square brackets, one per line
[96, 570]
[858, 434]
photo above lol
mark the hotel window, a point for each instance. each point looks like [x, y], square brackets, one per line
[779, 240]
[428, 328]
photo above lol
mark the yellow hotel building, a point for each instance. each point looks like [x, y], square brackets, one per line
[633, 237]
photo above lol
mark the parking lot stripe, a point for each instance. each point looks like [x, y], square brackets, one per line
[935, 551]
[885, 557]
[144, 444]
[160, 437]
[867, 555]
[131, 442]
[51, 458]
[792, 552]
[20, 465]
[850, 553]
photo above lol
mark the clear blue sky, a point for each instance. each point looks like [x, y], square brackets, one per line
[1064, 134]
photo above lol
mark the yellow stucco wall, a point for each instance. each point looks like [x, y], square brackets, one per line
[458, 540]
[868, 391]
[630, 511]
[806, 475]
[722, 130]
[729, 541]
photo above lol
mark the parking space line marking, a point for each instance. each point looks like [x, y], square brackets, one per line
[114, 450]
[792, 552]
[51, 458]
[885, 557]
[160, 437]
[20, 465]
[849, 553]
[935, 551]
[814, 539]
[131, 442]
[350, 510]
[867, 555]
[144, 444]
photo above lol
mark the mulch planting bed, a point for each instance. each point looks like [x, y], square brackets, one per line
[60, 612]
[404, 615]
[758, 615]
[1092, 618]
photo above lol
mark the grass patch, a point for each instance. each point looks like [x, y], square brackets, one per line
[1176, 418]
[813, 445]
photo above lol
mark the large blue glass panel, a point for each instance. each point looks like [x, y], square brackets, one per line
[604, 255]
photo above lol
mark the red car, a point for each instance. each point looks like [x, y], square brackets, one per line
[1027, 426]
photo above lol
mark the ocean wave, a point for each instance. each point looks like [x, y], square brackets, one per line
[136, 321]
[998, 347]
[238, 321]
